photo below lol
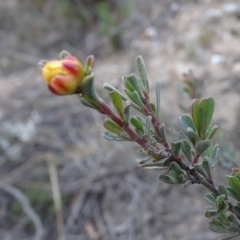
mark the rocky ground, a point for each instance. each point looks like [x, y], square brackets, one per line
[104, 194]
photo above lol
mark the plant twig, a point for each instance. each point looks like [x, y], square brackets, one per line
[133, 136]
[56, 196]
[196, 176]
[156, 124]
[26, 208]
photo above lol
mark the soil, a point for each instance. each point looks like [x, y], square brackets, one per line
[104, 194]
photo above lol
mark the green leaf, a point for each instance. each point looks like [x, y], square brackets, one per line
[140, 132]
[217, 213]
[217, 227]
[176, 148]
[132, 80]
[237, 175]
[222, 191]
[235, 172]
[136, 123]
[152, 106]
[117, 102]
[220, 211]
[89, 62]
[158, 99]
[112, 127]
[187, 122]
[165, 179]
[206, 109]
[207, 167]
[231, 193]
[236, 210]
[173, 176]
[234, 183]
[234, 227]
[148, 126]
[86, 103]
[134, 96]
[110, 88]
[186, 91]
[143, 160]
[174, 166]
[202, 146]
[64, 54]
[142, 120]
[108, 136]
[212, 132]
[195, 114]
[219, 200]
[89, 91]
[162, 131]
[193, 134]
[215, 154]
[186, 149]
[208, 152]
[201, 170]
[187, 183]
[126, 112]
[232, 218]
[210, 198]
[142, 72]
[120, 138]
[128, 84]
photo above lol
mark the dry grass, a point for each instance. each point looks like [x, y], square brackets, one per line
[104, 195]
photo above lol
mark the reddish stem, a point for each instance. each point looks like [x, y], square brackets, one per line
[156, 124]
[133, 136]
[195, 159]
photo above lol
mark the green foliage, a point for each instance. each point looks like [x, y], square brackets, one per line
[234, 185]
[176, 146]
[205, 113]
[202, 146]
[117, 102]
[186, 149]
[190, 160]
[112, 127]
[189, 128]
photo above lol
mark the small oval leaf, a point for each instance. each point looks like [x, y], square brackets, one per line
[206, 109]
[186, 149]
[195, 113]
[112, 127]
[117, 102]
[217, 227]
[202, 146]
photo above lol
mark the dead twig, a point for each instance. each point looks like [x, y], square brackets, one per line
[56, 196]
[16, 193]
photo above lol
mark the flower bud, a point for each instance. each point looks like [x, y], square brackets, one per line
[64, 76]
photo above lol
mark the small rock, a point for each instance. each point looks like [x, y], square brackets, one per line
[218, 59]
[174, 7]
[236, 68]
[213, 13]
[231, 8]
[151, 32]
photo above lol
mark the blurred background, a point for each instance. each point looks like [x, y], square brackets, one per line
[51, 148]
